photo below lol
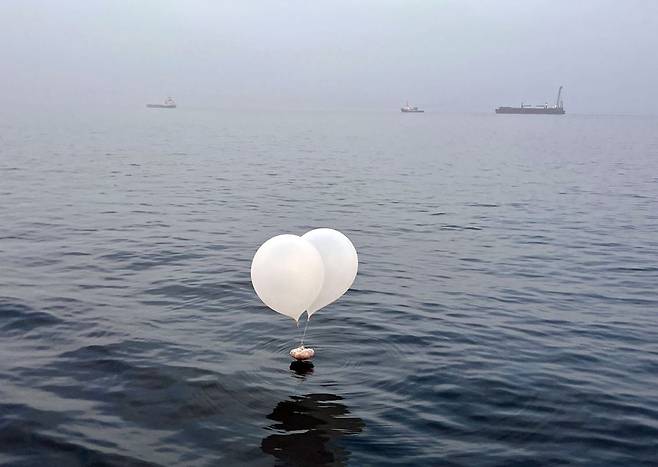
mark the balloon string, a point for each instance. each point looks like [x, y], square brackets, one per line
[305, 328]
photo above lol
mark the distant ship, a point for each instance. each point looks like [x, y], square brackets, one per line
[557, 109]
[169, 103]
[409, 109]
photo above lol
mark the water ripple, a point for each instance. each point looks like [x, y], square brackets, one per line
[504, 312]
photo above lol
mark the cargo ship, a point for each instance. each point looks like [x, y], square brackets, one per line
[409, 109]
[557, 109]
[169, 103]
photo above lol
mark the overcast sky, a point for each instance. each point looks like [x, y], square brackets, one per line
[444, 55]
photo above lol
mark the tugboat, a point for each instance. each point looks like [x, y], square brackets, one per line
[169, 103]
[557, 109]
[409, 109]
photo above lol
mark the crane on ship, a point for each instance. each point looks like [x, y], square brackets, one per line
[558, 103]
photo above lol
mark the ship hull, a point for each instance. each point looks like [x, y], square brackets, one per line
[412, 111]
[531, 110]
[161, 106]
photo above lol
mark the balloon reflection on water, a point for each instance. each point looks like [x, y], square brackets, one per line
[308, 428]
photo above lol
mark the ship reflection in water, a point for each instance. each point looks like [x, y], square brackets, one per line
[308, 429]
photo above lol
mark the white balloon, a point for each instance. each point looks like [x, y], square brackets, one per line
[287, 274]
[340, 265]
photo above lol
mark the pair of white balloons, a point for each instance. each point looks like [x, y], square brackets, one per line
[293, 274]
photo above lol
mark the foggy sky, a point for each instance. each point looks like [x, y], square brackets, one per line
[444, 55]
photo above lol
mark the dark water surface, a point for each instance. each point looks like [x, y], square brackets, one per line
[505, 312]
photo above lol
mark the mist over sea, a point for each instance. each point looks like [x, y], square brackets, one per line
[505, 312]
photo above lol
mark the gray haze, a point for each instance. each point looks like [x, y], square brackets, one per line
[445, 55]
